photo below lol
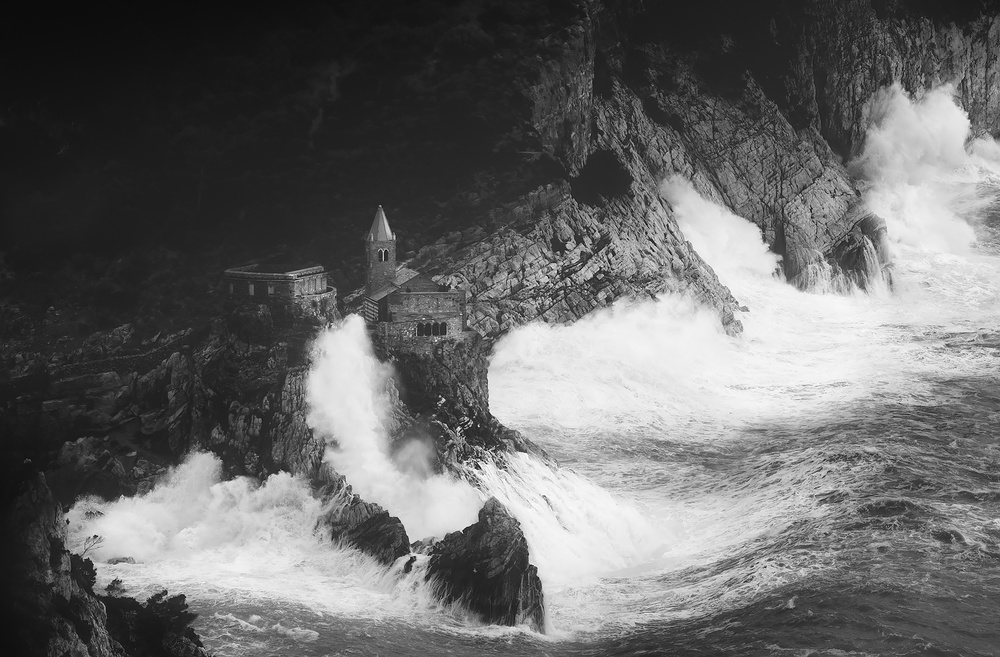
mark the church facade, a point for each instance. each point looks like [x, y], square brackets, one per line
[404, 306]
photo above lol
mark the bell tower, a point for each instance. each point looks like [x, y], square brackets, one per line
[380, 252]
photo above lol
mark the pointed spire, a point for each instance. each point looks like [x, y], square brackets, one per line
[380, 231]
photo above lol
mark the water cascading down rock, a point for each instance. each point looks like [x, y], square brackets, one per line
[485, 567]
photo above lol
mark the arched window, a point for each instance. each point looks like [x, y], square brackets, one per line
[420, 329]
[383, 255]
[436, 329]
[444, 329]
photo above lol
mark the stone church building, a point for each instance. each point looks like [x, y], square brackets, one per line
[402, 305]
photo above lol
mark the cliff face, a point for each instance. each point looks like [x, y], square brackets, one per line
[847, 52]
[547, 130]
[757, 106]
[758, 113]
[49, 601]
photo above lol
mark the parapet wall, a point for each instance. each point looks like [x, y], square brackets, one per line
[281, 288]
[247, 281]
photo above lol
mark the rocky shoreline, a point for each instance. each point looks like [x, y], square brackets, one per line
[621, 102]
[239, 394]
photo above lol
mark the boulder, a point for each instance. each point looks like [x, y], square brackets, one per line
[485, 567]
[363, 525]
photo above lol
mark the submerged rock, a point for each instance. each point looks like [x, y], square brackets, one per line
[485, 567]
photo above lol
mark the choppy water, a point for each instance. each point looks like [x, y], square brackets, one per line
[829, 482]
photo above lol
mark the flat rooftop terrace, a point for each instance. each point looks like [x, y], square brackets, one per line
[274, 269]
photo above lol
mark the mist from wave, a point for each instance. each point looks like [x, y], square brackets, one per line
[697, 473]
[734, 449]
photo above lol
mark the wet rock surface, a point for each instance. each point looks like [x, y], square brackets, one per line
[486, 568]
[359, 524]
[445, 394]
[619, 102]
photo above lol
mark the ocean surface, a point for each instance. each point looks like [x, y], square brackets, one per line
[826, 484]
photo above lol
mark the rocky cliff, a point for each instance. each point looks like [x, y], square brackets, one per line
[486, 567]
[49, 600]
[240, 391]
[758, 106]
[551, 209]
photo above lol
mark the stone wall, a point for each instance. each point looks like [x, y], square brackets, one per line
[425, 303]
[402, 336]
[263, 286]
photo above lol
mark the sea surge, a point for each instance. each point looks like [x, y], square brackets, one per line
[827, 480]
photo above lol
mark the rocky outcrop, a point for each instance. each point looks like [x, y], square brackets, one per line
[757, 106]
[850, 51]
[49, 601]
[359, 524]
[154, 392]
[445, 394]
[602, 101]
[486, 568]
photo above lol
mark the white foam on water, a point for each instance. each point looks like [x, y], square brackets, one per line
[236, 544]
[671, 499]
[652, 402]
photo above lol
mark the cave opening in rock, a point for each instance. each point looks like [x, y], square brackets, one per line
[603, 176]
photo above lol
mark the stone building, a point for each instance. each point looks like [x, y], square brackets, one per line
[401, 305]
[306, 289]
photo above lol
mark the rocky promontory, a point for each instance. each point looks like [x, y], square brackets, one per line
[486, 567]
[240, 391]
[554, 126]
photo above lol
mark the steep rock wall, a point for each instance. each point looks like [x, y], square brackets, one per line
[851, 50]
[759, 116]
[49, 601]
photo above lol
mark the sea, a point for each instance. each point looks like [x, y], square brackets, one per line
[827, 483]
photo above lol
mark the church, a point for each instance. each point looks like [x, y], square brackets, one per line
[402, 305]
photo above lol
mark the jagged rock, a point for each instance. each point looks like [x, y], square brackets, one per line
[856, 48]
[158, 627]
[447, 391]
[87, 467]
[49, 602]
[363, 525]
[863, 254]
[115, 560]
[486, 568]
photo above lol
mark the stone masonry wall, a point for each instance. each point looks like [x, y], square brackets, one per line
[425, 302]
